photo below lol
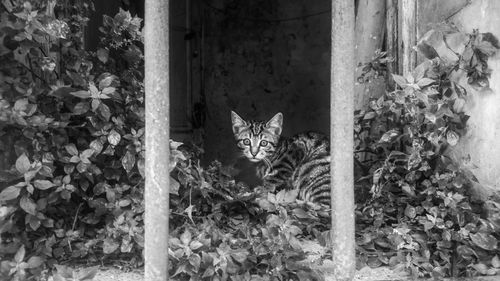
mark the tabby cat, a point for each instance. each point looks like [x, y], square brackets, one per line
[301, 162]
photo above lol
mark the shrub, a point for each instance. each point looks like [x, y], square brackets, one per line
[73, 122]
[421, 214]
[232, 230]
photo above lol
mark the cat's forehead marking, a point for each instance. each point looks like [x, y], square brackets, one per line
[256, 127]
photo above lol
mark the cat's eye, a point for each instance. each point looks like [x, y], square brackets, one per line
[246, 141]
[263, 143]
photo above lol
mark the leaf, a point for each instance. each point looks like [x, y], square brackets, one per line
[456, 41]
[124, 203]
[140, 167]
[128, 161]
[458, 105]
[425, 82]
[484, 240]
[240, 255]
[486, 48]
[103, 55]
[19, 257]
[43, 184]
[106, 81]
[96, 145]
[208, 272]
[495, 262]
[174, 186]
[300, 213]
[94, 92]
[104, 111]
[400, 80]
[466, 252]
[431, 117]
[195, 245]
[87, 274]
[28, 205]
[109, 245]
[410, 212]
[427, 50]
[81, 108]
[452, 137]
[82, 167]
[74, 159]
[287, 196]
[180, 269]
[100, 188]
[408, 189]
[389, 136]
[195, 260]
[85, 155]
[108, 90]
[174, 144]
[10, 193]
[186, 237]
[481, 268]
[71, 149]
[114, 137]
[21, 104]
[189, 212]
[33, 221]
[23, 164]
[35, 261]
[370, 115]
[81, 94]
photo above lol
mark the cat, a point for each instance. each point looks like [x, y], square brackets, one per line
[301, 162]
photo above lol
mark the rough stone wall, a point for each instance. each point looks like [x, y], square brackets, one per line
[257, 67]
[482, 141]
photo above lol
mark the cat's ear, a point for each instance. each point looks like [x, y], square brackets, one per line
[238, 122]
[275, 124]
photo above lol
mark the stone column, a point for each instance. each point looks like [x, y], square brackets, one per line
[156, 53]
[341, 135]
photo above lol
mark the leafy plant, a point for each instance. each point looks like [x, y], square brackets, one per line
[421, 215]
[232, 230]
[73, 121]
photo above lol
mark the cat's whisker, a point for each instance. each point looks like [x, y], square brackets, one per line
[268, 163]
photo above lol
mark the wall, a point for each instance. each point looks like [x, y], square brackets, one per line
[482, 140]
[257, 67]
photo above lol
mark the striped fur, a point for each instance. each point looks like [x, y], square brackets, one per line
[301, 162]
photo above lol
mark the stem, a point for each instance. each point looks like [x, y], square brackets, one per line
[76, 216]
[35, 75]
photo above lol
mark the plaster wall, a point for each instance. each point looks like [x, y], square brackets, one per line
[262, 57]
[482, 140]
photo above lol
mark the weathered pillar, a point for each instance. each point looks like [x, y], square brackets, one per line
[341, 135]
[369, 32]
[408, 17]
[391, 41]
[156, 53]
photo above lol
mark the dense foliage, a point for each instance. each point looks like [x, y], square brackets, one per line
[223, 228]
[421, 214]
[72, 176]
[72, 132]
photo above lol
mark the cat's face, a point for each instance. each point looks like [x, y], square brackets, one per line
[257, 140]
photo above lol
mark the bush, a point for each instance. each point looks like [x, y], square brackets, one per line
[421, 215]
[231, 230]
[73, 123]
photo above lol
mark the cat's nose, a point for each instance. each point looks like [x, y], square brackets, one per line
[254, 153]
